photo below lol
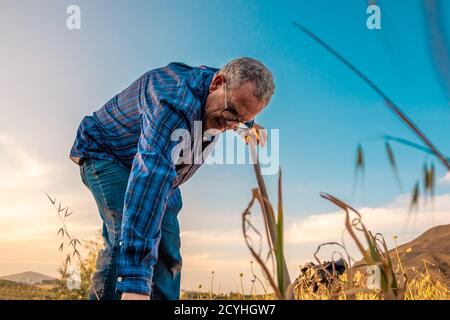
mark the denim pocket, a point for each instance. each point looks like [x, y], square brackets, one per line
[175, 201]
[83, 175]
[108, 181]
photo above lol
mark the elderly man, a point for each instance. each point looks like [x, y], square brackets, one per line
[124, 151]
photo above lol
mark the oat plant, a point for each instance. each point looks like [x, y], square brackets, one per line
[69, 241]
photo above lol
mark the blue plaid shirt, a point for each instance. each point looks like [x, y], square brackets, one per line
[133, 129]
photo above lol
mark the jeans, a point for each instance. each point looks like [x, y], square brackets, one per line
[107, 182]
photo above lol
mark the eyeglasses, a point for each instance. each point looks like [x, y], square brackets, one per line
[230, 115]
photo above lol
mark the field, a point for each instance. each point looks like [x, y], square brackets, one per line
[423, 287]
[424, 261]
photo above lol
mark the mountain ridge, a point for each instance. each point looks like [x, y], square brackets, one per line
[28, 277]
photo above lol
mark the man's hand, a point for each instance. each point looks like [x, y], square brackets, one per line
[134, 296]
[261, 136]
[256, 132]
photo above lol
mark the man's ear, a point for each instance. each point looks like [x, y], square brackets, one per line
[216, 82]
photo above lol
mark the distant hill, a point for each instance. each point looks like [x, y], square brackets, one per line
[429, 251]
[29, 277]
[11, 290]
[433, 246]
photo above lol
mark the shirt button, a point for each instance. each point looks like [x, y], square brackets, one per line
[119, 279]
[120, 243]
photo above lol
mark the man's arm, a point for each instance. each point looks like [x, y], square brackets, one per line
[149, 185]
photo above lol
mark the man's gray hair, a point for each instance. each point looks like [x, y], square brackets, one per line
[240, 70]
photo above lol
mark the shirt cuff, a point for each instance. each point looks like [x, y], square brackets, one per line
[137, 280]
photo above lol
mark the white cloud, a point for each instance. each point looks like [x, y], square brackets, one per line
[446, 179]
[389, 220]
[16, 165]
[226, 253]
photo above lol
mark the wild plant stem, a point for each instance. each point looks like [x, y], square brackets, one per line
[270, 218]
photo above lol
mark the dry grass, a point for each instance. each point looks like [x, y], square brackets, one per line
[421, 286]
[392, 282]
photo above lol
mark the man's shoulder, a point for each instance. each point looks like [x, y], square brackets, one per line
[179, 74]
[182, 86]
[186, 68]
[183, 78]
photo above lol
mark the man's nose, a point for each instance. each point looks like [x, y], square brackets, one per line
[231, 124]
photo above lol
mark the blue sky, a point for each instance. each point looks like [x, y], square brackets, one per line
[52, 77]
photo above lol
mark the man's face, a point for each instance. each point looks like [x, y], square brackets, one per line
[241, 100]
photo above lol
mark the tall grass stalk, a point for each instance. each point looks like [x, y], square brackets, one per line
[274, 228]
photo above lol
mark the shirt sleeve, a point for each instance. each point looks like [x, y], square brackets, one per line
[149, 186]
